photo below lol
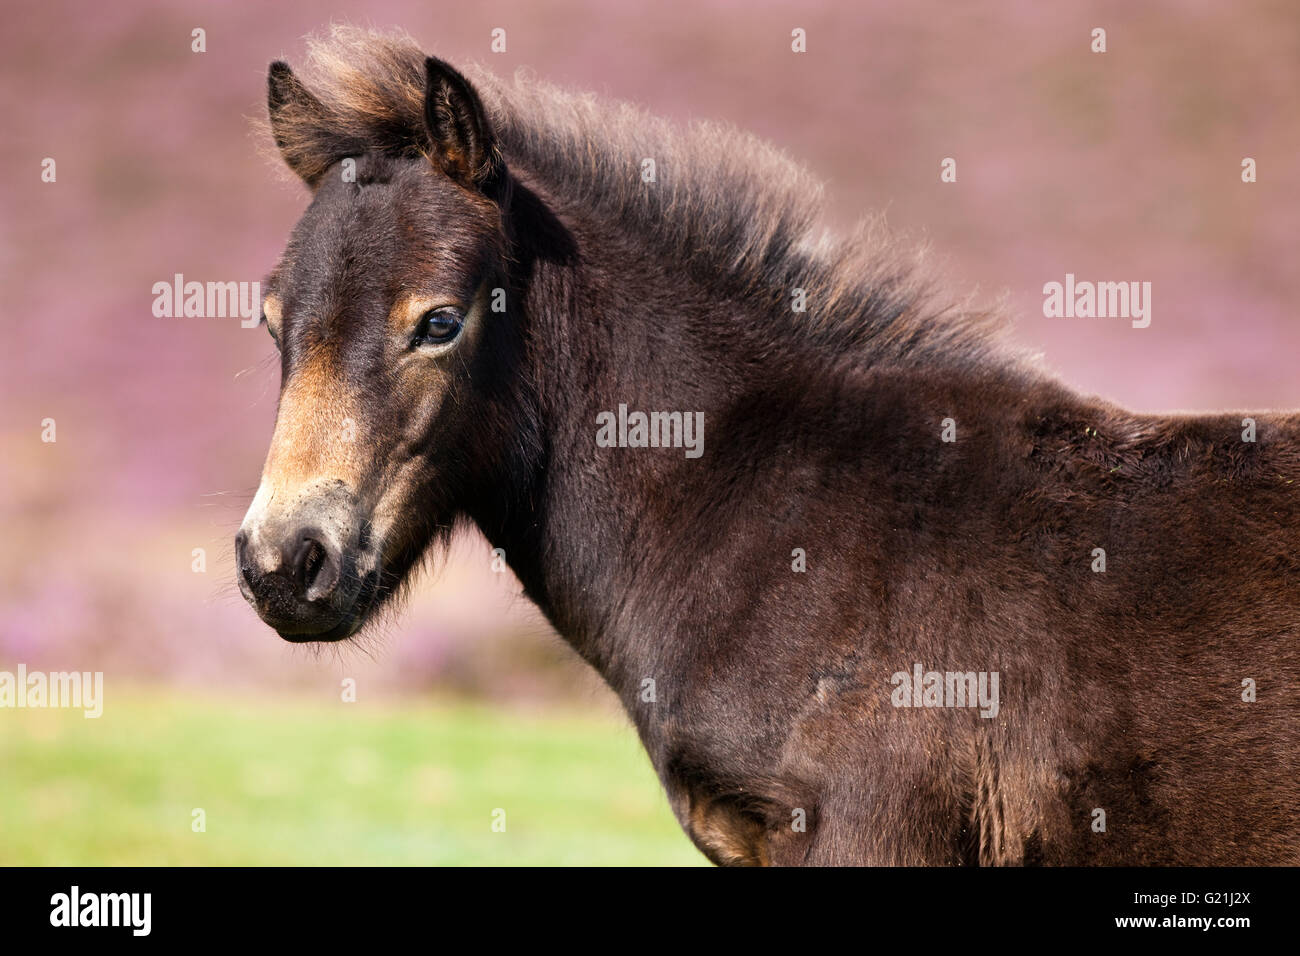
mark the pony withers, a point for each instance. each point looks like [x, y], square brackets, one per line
[1090, 613]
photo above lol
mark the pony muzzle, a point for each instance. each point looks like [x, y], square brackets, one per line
[298, 567]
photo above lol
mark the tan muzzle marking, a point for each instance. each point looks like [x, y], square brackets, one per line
[316, 432]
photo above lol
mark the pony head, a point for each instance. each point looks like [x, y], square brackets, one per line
[390, 352]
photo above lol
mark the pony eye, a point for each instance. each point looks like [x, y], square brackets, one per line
[438, 327]
[272, 313]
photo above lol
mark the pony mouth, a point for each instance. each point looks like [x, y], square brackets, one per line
[348, 623]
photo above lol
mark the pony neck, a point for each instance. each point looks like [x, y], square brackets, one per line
[592, 530]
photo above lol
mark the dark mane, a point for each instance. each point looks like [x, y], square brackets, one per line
[726, 206]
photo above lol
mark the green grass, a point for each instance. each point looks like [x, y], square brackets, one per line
[305, 783]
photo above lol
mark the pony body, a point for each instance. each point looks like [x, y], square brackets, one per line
[882, 485]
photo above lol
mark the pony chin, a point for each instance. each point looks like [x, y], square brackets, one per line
[385, 591]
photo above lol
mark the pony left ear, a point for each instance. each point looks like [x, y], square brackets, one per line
[459, 131]
[298, 123]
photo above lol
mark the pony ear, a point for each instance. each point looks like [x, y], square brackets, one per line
[298, 122]
[459, 132]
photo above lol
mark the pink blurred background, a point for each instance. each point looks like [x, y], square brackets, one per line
[1117, 166]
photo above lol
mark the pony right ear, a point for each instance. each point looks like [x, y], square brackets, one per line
[298, 123]
[459, 132]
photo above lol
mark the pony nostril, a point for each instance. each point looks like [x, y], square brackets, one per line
[315, 569]
[241, 557]
[314, 561]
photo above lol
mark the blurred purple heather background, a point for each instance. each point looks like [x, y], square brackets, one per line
[1117, 166]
